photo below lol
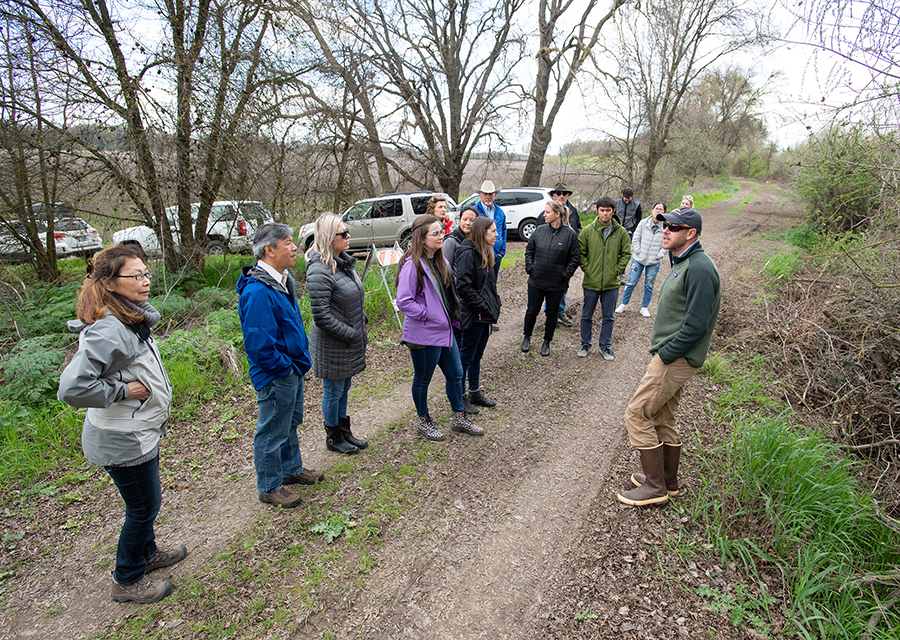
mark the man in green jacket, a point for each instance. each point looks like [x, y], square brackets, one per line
[686, 315]
[605, 252]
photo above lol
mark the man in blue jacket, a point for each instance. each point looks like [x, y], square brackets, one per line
[278, 353]
[486, 208]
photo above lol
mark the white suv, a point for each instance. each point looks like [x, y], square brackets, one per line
[231, 227]
[522, 206]
[381, 221]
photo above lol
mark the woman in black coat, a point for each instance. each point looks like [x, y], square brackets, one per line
[551, 259]
[476, 284]
[337, 337]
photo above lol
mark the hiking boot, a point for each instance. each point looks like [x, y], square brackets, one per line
[428, 430]
[462, 424]
[564, 320]
[307, 476]
[143, 591]
[526, 344]
[620, 308]
[165, 558]
[607, 354]
[645, 312]
[334, 441]
[344, 424]
[545, 348]
[583, 351]
[284, 498]
[476, 397]
[468, 407]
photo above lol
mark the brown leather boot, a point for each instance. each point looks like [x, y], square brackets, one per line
[653, 491]
[671, 459]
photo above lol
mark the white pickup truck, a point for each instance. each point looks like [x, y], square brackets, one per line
[232, 224]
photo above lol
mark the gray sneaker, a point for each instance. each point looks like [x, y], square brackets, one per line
[428, 430]
[607, 354]
[462, 424]
[143, 591]
[583, 351]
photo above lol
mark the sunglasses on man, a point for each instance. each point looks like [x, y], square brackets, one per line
[675, 228]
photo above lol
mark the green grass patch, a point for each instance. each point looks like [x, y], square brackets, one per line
[775, 494]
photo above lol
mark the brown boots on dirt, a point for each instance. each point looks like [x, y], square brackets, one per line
[660, 477]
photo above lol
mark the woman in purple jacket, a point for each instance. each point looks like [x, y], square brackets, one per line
[428, 300]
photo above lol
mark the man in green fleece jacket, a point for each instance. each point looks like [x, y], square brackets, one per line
[686, 315]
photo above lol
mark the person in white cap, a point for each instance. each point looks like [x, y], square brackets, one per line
[486, 208]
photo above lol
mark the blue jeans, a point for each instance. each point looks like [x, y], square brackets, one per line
[474, 340]
[424, 362]
[650, 273]
[276, 450]
[140, 489]
[334, 400]
[607, 300]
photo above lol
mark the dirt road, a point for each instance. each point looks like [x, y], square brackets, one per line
[513, 535]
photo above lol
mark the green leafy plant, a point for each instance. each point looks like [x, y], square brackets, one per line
[31, 371]
[334, 526]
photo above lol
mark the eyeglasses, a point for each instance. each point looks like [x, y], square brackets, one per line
[138, 277]
[344, 234]
[435, 234]
[675, 228]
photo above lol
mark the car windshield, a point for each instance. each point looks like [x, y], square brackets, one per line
[70, 224]
[256, 212]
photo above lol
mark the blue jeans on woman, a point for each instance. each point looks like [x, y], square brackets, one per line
[474, 341]
[650, 273]
[334, 400]
[140, 489]
[276, 449]
[424, 362]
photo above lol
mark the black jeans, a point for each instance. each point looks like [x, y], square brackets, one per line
[474, 341]
[535, 301]
[140, 489]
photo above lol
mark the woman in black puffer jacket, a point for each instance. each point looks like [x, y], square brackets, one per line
[337, 337]
[476, 284]
[551, 259]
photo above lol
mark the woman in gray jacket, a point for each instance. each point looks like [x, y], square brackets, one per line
[118, 375]
[337, 337]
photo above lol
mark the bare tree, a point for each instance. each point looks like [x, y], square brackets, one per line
[561, 55]
[211, 56]
[663, 48]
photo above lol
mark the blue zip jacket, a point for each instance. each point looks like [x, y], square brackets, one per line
[500, 221]
[274, 336]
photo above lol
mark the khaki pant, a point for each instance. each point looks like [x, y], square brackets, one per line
[650, 416]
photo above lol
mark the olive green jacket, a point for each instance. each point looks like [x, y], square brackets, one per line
[603, 259]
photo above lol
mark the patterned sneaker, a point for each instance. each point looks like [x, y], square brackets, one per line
[165, 558]
[565, 320]
[462, 424]
[143, 591]
[428, 430]
[583, 351]
[607, 354]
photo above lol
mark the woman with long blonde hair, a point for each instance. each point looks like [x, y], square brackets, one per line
[337, 337]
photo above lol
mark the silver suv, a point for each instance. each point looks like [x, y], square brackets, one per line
[381, 221]
[231, 227]
[522, 206]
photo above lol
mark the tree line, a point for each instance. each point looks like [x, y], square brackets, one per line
[136, 106]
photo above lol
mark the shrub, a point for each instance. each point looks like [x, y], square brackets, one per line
[840, 177]
[31, 371]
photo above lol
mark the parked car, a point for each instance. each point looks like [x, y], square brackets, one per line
[381, 221]
[522, 206]
[232, 224]
[72, 235]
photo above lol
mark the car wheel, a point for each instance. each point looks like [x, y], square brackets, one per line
[309, 242]
[406, 240]
[526, 228]
[216, 248]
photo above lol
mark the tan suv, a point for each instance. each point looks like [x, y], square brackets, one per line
[381, 221]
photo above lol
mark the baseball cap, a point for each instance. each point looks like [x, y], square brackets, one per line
[688, 216]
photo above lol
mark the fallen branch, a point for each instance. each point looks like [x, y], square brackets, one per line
[873, 445]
